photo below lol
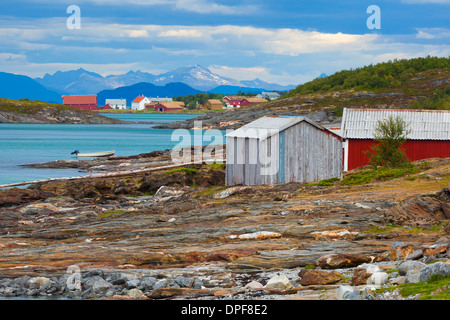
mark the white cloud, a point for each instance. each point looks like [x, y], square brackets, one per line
[284, 56]
[206, 7]
[182, 33]
[243, 73]
[432, 33]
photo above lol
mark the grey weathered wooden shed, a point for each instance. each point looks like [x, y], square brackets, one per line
[276, 149]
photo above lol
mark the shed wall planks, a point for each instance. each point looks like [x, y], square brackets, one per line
[300, 153]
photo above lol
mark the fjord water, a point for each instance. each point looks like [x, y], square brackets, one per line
[22, 144]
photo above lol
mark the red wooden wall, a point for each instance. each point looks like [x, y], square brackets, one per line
[415, 150]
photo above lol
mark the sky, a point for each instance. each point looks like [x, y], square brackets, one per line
[278, 41]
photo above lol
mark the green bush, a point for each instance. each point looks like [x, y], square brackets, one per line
[390, 135]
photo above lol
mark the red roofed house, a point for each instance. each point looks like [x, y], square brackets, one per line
[106, 107]
[87, 102]
[164, 106]
[241, 101]
[139, 103]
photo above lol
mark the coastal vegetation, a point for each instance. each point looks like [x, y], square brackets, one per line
[27, 111]
[26, 106]
[391, 74]
[435, 288]
[192, 101]
[389, 134]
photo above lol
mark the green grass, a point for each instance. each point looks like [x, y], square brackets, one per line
[439, 285]
[109, 213]
[25, 106]
[325, 182]
[412, 230]
[216, 166]
[379, 174]
[187, 170]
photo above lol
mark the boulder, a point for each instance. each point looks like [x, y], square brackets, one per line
[378, 279]
[318, 277]
[404, 267]
[415, 255]
[360, 276]
[253, 285]
[412, 276]
[397, 253]
[438, 268]
[100, 285]
[336, 261]
[278, 282]
[343, 292]
[135, 293]
[147, 283]
[438, 249]
[37, 282]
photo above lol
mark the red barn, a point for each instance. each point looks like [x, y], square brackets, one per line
[87, 102]
[429, 137]
[241, 101]
[164, 106]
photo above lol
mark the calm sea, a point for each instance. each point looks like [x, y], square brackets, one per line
[36, 143]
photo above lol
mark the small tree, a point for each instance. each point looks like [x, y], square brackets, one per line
[390, 135]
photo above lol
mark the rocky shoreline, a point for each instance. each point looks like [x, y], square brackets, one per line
[57, 116]
[202, 284]
[181, 234]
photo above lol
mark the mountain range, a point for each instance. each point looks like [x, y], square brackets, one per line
[182, 81]
[82, 81]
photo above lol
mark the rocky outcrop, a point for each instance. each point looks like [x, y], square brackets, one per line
[185, 235]
[421, 210]
[54, 115]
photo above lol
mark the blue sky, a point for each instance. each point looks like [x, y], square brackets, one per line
[282, 41]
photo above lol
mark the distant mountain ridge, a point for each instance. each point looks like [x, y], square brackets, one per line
[258, 83]
[16, 87]
[81, 81]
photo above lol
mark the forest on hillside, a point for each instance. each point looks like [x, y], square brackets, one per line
[390, 74]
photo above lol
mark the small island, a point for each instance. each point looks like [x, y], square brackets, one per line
[32, 112]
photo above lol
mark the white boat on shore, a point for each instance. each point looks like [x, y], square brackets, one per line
[94, 154]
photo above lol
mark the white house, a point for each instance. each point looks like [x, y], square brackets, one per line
[117, 103]
[139, 103]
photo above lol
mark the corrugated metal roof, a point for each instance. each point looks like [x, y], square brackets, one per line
[424, 124]
[265, 127]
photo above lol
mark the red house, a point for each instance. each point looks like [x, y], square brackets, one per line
[241, 101]
[106, 107]
[87, 102]
[429, 137]
[164, 106]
